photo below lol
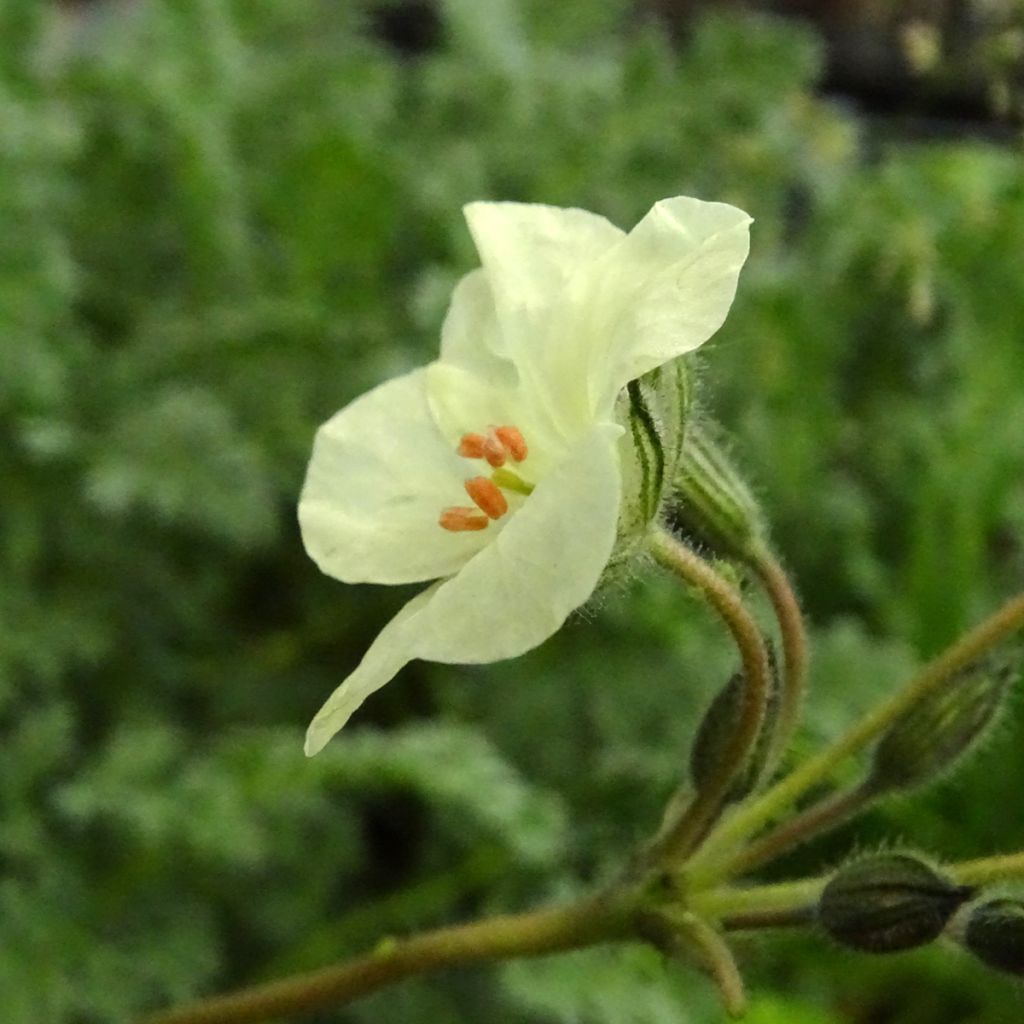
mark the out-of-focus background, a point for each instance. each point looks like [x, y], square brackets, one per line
[220, 220]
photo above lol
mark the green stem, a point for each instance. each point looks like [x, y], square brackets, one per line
[707, 867]
[990, 869]
[729, 902]
[759, 920]
[530, 934]
[794, 645]
[826, 814]
[680, 838]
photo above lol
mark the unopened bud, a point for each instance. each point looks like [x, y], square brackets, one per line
[719, 725]
[994, 933]
[888, 902]
[710, 499]
[935, 734]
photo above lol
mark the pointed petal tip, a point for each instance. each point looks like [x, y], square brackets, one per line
[317, 738]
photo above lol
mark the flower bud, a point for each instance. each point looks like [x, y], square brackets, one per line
[936, 733]
[888, 902]
[994, 933]
[710, 499]
[718, 726]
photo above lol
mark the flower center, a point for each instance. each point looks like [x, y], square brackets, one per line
[496, 447]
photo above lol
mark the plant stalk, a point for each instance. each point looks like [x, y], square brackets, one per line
[685, 834]
[530, 934]
[708, 865]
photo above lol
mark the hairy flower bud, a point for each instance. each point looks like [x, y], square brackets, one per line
[888, 902]
[994, 933]
[719, 725]
[929, 740]
[710, 499]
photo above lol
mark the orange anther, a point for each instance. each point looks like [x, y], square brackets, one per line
[513, 442]
[459, 520]
[472, 446]
[494, 450]
[487, 496]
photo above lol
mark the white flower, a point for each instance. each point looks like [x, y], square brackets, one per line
[497, 470]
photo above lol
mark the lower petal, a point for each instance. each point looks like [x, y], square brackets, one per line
[389, 652]
[511, 596]
[380, 475]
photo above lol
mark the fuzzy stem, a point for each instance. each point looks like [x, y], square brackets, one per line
[794, 645]
[707, 867]
[682, 837]
[820, 817]
[529, 934]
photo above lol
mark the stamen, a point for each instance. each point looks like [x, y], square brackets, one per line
[511, 481]
[461, 519]
[486, 496]
[494, 450]
[472, 446]
[513, 441]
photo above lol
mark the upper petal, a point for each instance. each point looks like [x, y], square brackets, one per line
[512, 595]
[531, 252]
[470, 335]
[380, 475]
[538, 261]
[667, 287]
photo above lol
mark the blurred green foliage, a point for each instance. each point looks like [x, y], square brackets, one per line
[222, 219]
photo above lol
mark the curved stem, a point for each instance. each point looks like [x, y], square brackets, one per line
[530, 934]
[826, 814]
[680, 838]
[717, 959]
[782, 796]
[794, 645]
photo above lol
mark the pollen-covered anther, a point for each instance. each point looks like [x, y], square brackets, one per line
[494, 450]
[496, 446]
[461, 520]
[513, 442]
[486, 496]
[472, 446]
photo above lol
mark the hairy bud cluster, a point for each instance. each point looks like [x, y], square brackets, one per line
[888, 902]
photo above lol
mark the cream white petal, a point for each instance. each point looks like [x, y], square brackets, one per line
[667, 287]
[463, 402]
[538, 261]
[380, 475]
[531, 252]
[512, 595]
[470, 336]
[388, 654]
